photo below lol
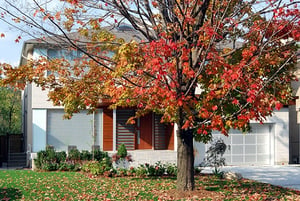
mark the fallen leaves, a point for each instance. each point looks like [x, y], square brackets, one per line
[28, 185]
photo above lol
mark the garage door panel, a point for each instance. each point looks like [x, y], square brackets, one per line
[250, 158]
[261, 149]
[236, 159]
[250, 148]
[237, 139]
[250, 139]
[239, 149]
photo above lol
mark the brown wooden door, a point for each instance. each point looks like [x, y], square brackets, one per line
[144, 132]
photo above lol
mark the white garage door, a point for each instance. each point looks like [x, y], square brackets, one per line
[77, 131]
[252, 148]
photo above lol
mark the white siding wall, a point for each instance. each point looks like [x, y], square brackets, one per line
[39, 121]
[281, 138]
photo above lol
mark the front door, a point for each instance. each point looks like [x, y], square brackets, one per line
[144, 132]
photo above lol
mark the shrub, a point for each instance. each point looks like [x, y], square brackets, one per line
[131, 171]
[121, 172]
[158, 169]
[97, 167]
[74, 155]
[61, 156]
[171, 169]
[121, 159]
[122, 151]
[98, 155]
[46, 160]
[141, 171]
[92, 167]
[85, 155]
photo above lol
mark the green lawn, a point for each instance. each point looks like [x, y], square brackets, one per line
[29, 185]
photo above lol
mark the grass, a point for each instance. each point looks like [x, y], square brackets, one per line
[29, 185]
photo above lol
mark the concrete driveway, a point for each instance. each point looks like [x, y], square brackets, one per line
[285, 175]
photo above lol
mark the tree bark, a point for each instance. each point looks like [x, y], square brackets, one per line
[185, 160]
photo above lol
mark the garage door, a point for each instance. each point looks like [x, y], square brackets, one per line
[252, 148]
[77, 131]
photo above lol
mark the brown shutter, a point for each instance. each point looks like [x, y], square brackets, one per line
[125, 132]
[159, 133]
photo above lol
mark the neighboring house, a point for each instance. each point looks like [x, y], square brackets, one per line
[148, 140]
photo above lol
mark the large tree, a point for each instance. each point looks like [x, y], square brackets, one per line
[10, 111]
[203, 64]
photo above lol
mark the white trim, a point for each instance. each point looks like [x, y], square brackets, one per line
[114, 130]
[272, 143]
[175, 136]
[101, 129]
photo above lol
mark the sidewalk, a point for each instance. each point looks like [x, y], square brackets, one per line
[286, 175]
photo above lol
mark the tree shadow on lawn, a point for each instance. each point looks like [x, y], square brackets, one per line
[10, 194]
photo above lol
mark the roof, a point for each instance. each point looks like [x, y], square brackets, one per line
[123, 31]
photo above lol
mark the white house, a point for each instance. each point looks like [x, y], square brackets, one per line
[275, 142]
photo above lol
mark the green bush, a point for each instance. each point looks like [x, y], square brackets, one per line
[171, 169]
[99, 155]
[158, 169]
[74, 155]
[92, 167]
[61, 156]
[141, 171]
[122, 151]
[97, 167]
[46, 160]
[85, 155]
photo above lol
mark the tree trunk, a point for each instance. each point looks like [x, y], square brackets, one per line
[185, 160]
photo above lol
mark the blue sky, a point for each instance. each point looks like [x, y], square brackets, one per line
[10, 51]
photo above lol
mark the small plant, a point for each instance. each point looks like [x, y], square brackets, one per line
[158, 169]
[121, 159]
[215, 157]
[141, 171]
[122, 151]
[47, 160]
[97, 167]
[61, 156]
[121, 172]
[98, 155]
[74, 155]
[131, 171]
[171, 169]
[85, 155]
[92, 167]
